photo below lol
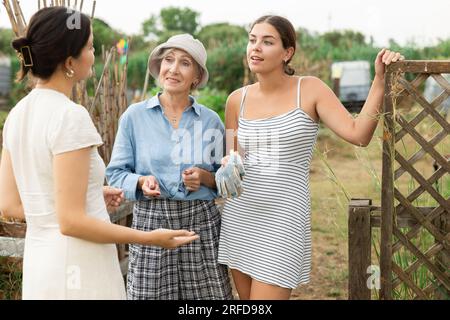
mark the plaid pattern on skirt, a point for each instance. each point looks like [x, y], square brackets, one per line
[190, 272]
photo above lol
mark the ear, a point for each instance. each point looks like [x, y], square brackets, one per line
[289, 53]
[69, 63]
[195, 83]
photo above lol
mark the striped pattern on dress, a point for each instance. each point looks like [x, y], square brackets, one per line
[266, 232]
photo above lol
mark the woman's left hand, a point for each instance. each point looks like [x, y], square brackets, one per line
[192, 178]
[383, 59]
[113, 198]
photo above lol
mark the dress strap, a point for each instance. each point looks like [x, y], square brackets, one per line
[244, 94]
[298, 92]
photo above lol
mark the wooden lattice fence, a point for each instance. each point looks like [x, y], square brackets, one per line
[414, 217]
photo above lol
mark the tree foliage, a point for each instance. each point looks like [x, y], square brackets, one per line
[6, 37]
[170, 21]
[217, 34]
[104, 35]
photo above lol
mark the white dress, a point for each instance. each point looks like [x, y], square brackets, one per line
[41, 125]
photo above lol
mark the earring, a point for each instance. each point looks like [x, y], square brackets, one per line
[70, 73]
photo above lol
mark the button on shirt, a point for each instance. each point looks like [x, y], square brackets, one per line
[147, 144]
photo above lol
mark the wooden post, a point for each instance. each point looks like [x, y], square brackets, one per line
[387, 191]
[336, 87]
[359, 248]
[442, 259]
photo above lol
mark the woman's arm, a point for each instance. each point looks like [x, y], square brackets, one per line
[332, 113]
[121, 168]
[232, 120]
[10, 202]
[71, 173]
[207, 179]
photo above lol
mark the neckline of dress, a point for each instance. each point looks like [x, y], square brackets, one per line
[53, 91]
[281, 115]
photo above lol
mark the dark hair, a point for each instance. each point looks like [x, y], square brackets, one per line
[51, 39]
[287, 34]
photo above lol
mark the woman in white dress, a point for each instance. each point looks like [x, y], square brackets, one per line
[52, 176]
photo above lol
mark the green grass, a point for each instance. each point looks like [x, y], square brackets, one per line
[10, 279]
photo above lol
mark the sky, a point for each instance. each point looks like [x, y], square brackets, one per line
[422, 21]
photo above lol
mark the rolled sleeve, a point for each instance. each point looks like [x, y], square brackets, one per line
[120, 172]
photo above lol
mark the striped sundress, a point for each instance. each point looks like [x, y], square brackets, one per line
[266, 232]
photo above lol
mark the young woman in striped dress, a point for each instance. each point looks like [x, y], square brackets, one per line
[266, 232]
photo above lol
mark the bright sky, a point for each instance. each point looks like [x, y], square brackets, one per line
[423, 21]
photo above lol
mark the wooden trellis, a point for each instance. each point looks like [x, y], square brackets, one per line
[421, 232]
[394, 201]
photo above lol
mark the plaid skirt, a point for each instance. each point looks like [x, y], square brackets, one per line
[190, 272]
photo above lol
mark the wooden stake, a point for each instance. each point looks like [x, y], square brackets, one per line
[93, 9]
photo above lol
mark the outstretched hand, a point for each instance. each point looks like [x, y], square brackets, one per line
[171, 239]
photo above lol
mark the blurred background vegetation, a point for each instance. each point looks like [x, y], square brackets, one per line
[226, 46]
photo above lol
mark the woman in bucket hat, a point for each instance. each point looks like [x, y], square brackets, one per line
[165, 155]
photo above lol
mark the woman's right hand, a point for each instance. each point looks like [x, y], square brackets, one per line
[149, 186]
[170, 239]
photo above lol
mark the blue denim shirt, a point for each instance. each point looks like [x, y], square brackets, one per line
[147, 144]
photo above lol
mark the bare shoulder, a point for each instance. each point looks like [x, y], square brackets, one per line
[234, 100]
[316, 89]
[313, 82]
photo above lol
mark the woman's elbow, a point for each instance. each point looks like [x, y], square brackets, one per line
[361, 141]
[68, 227]
[363, 144]
[65, 228]
[113, 177]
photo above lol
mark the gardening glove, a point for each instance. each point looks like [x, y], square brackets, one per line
[229, 177]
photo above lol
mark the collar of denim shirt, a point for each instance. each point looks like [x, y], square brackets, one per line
[154, 102]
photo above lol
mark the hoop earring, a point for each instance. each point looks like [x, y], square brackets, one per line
[70, 73]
